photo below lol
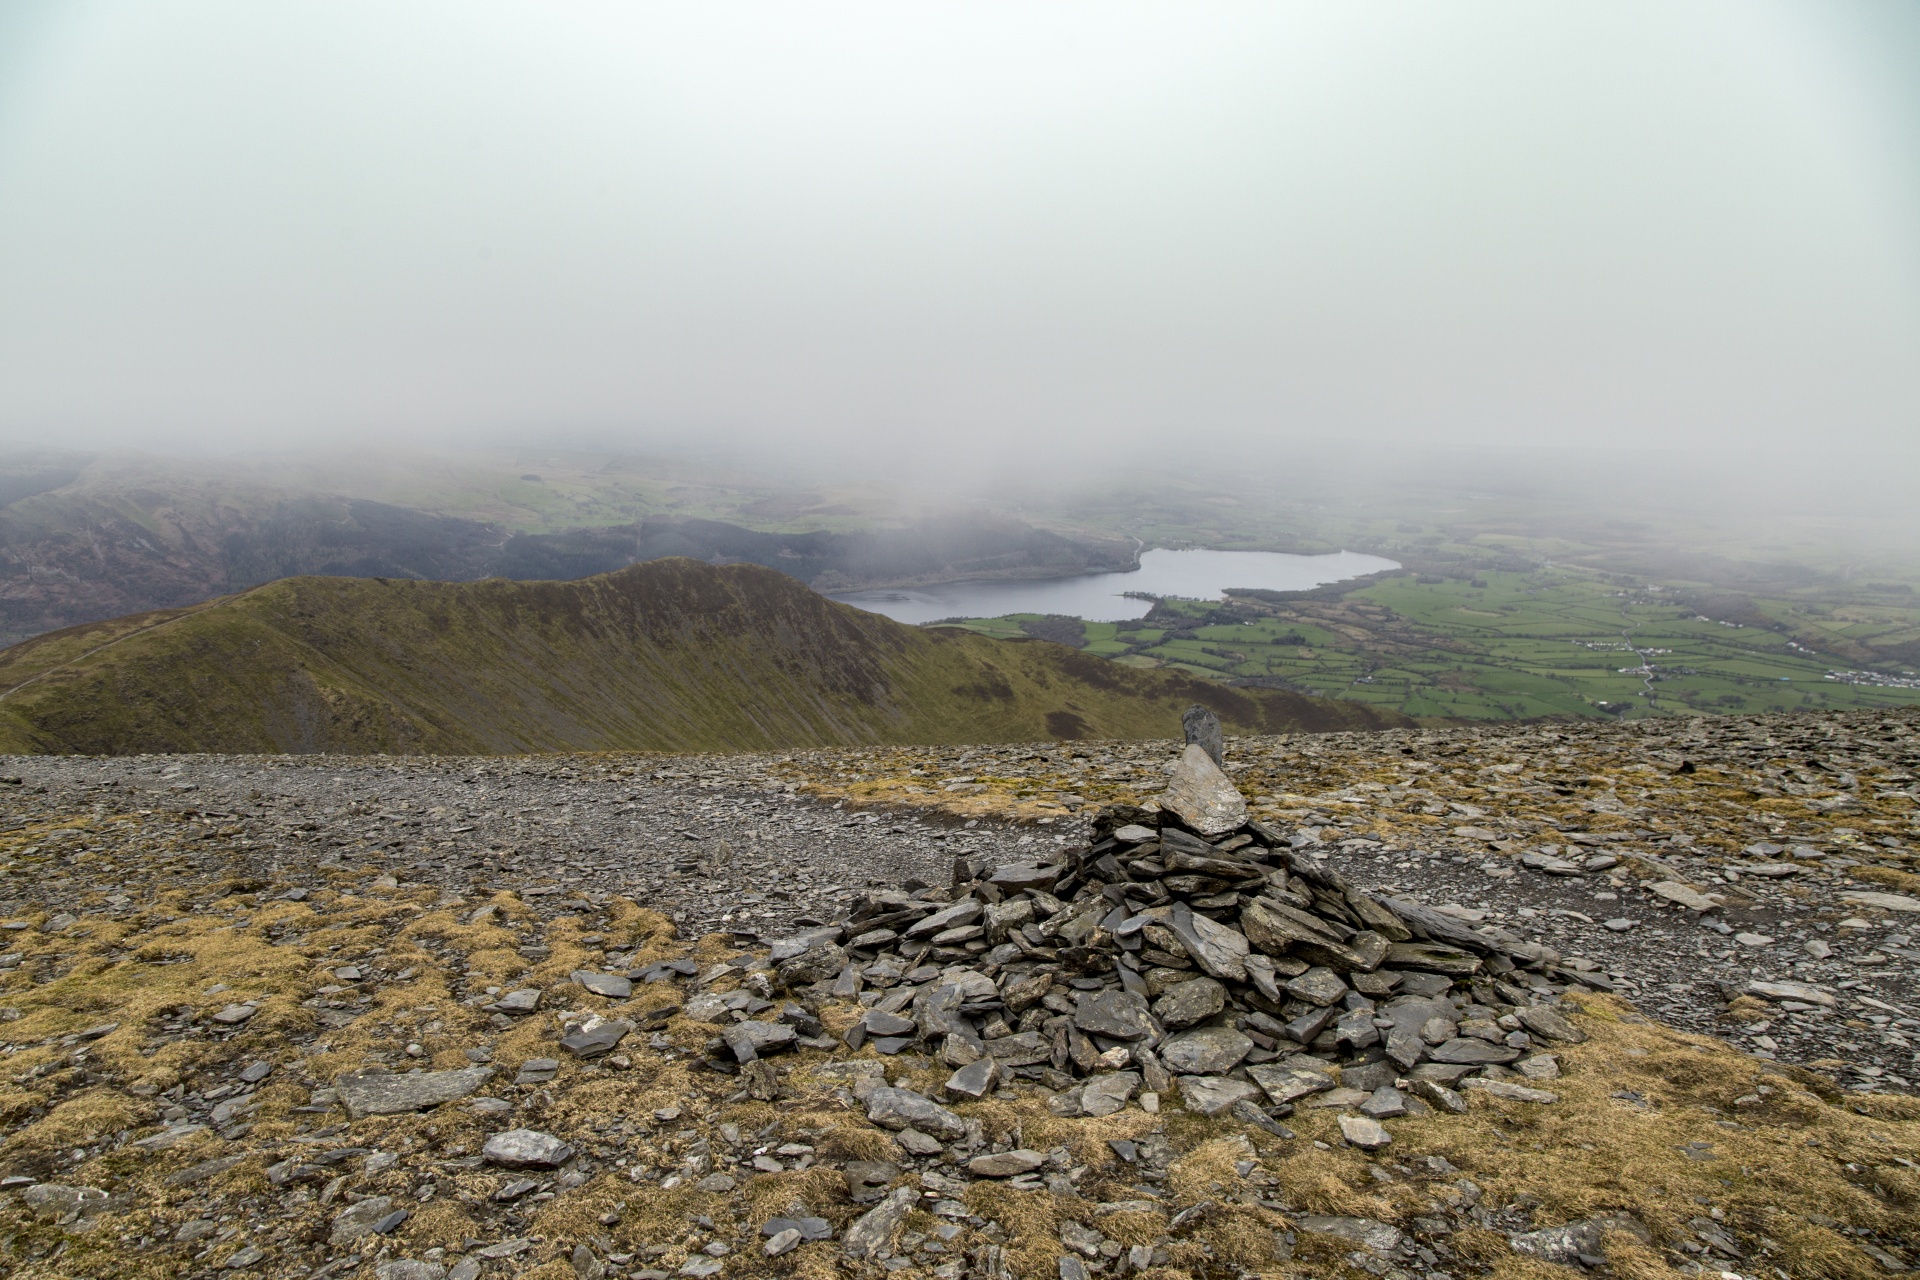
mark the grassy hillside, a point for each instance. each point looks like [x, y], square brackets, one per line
[671, 655]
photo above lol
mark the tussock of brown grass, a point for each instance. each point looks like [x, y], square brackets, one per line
[1902, 881]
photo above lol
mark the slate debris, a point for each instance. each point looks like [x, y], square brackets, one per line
[1220, 966]
[1827, 971]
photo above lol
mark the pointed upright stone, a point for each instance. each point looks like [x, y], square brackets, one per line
[1203, 731]
[1203, 797]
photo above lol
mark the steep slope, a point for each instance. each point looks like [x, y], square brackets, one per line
[669, 655]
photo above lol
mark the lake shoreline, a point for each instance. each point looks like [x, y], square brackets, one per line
[1116, 595]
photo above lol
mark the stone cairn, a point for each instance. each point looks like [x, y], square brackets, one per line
[1187, 948]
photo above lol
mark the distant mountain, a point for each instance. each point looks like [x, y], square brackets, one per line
[671, 654]
[78, 547]
[944, 550]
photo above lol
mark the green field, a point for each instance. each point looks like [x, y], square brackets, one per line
[1513, 645]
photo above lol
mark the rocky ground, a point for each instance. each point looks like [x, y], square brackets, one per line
[204, 954]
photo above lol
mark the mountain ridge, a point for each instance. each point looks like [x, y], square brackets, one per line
[86, 540]
[671, 654]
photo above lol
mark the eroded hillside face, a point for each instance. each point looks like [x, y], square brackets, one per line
[219, 973]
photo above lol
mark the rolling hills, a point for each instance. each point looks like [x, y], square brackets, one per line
[673, 654]
[87, 538]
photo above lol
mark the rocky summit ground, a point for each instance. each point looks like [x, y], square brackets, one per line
[427, 1017]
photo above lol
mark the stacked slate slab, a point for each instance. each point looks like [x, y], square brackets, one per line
[1187, 948]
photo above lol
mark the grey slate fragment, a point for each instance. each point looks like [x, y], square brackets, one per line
[1118, 1015]
[385, 1094]
[1246, 1111]
[750, 1040]
[887, 1024]
[809, 1228]
[1220, 951]
[1375, 1237]
[783, 949]
[1573, 1242]
[1468, 1050]
[1021, 1049]
[610, 985]
[903, 1109]
[1006, 1164]
[965, 911]
[597, 1041]
[1440, 1096]
[525, 1000]
[1026, 875]
[1289, 1084]
[359, 1219]
[1108, 1092]
[1210, 1095]
[1202, 728]
[975, 1080]
[1318, 985]
[1186, 1003]
[1204, 1051]
[875, 1228]
[1549, 1023]
[537, 1071]
[1203, 797]
[1359, 1131]
[526, 1149]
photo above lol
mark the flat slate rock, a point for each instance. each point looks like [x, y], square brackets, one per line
[1375, 1237]
[905, 1109]
[611, 985]
[526, 1149]
[809, 1228]
[874, 1229]
[359, 1219]
[750, 1040]
[1026, 875]
[1683, 894]
[1118, 1015]
[537, 1071]
[385, 1094]
[1186, 1003]
[1791, 991]
[1289, 1084]
[1362, 1132]
[975, 1079]
[1210, 1095]
[525, 1000]
[1468, 1049]
[1006, 1164]
[1885, 901]
[1108, 1092]
[1022, 1049]
[1568, 1243]
[1221, 951]
[591, 1042]
[1510, 1091]
[1207, 1051]
[965, 911]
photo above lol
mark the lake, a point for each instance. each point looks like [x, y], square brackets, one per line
[1097, 597]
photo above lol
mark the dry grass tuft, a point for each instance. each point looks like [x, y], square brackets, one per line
[1903, 881]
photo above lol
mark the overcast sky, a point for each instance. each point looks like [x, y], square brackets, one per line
[986, 225]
